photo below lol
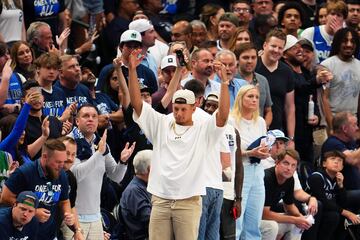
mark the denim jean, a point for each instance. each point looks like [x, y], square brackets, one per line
[210, 216]
[252, 204]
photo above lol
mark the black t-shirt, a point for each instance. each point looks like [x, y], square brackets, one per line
[281, 81]
[274, 192]
[33, 130]
[351, 173]
[72, 187]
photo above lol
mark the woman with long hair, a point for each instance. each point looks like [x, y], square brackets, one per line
[22, 59]
[245, 118]
[241, 35]
[210, 14]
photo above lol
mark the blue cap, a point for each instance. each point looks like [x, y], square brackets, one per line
[28, 198]
[278, 134]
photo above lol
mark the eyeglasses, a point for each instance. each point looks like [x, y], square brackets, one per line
[240, 10]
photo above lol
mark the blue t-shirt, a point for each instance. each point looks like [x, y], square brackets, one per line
[31, 177]
[351, 173]
[54, 103]
[145, 76]
[80, 94]
[104, 104]
[8, 231]
[15, 90]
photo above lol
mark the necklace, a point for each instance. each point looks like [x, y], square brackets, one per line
[179, 134]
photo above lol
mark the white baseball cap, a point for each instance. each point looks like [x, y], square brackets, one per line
[130, 35]
[290, 42]
[168, 61]
[141, 25]
[184, 96]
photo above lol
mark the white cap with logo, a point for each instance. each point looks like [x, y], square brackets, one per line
[130, 35]
[168, 61]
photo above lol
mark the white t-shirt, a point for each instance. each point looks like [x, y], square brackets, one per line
[270, 162]
[177, 168]
[229, 187]
[159, 51]
[250, 131]
[345, 86]
[11, 22]
[213, 172]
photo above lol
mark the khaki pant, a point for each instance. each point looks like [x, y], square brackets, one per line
[177, 219]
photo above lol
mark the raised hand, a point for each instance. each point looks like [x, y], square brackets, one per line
[127, 151]
[7, 70]
[135, 58]
[45, 127]
[63, 36]
[220, 70]
[102, 143]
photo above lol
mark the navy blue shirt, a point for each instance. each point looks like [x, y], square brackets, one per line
[104, 104]
[80, 94]
[8, 231]
[351, 173]
[54, 103]
[31, 177]
[145, 76]
[135, 205]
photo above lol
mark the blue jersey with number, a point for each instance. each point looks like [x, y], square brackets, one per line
[321, 46]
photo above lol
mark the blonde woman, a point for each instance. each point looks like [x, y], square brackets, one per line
[245, 118]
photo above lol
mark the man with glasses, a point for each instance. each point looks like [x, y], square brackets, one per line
[242, 9]
[181, 31]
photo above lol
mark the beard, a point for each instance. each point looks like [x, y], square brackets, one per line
[51, 173]
[294, 61]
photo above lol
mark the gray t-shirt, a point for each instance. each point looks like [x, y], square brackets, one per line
[345, 86]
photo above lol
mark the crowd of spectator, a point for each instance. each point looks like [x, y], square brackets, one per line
[179, 119]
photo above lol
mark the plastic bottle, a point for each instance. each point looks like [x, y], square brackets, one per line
[311, 107]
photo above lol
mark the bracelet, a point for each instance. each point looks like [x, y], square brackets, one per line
[238, 199]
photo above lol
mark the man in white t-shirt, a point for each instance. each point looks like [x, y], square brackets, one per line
[180, 145]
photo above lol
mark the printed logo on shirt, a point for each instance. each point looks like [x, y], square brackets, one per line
[323, 54]
[48, 194]
[53, 108]
[80, 99]
[22, 238]
[45, 8]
